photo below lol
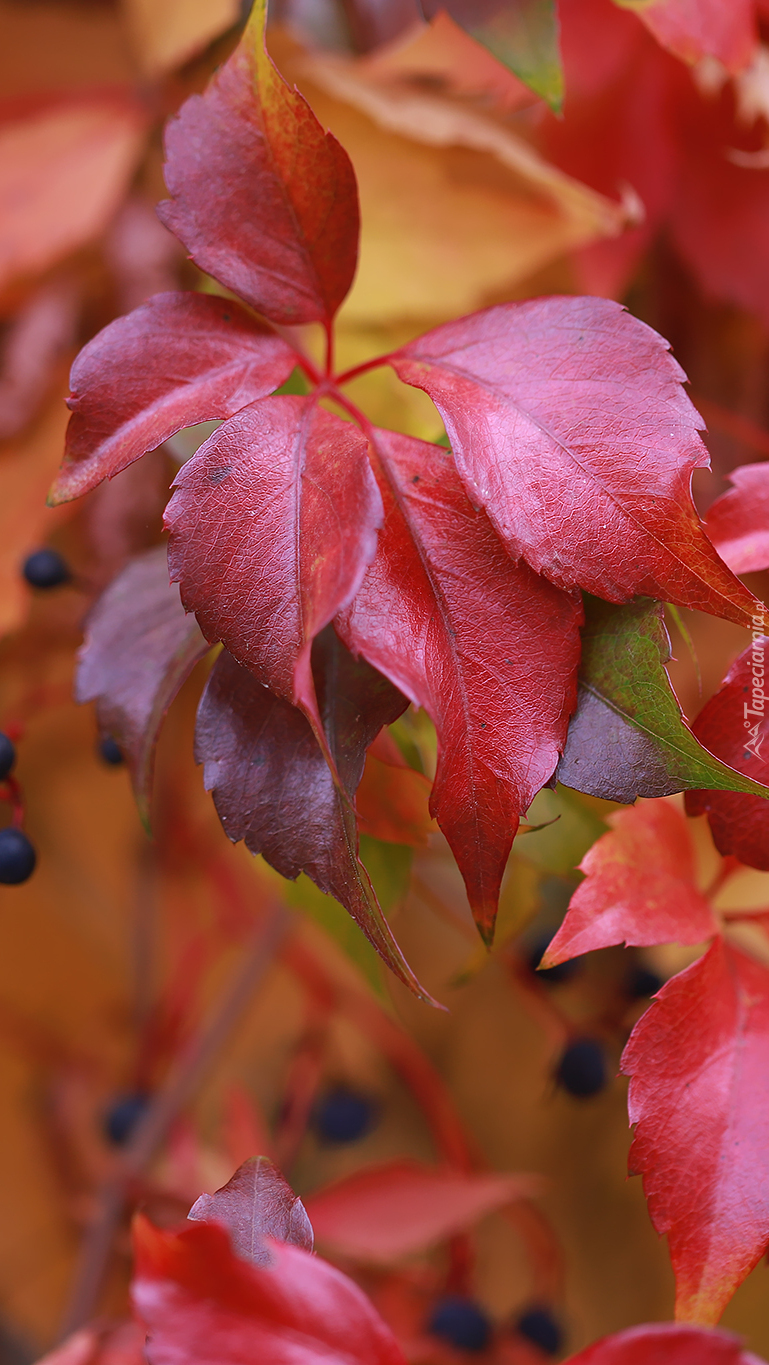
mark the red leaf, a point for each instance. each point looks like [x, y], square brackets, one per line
[639, 887]
[177, 360]
[34, 345]
[139, 648]
[699, 1097]
[256, 1203]
[201, 1304]
[386, 1212]
[393, 800]
[569, 424]
[665, 1343]
[488, 649]
[734, 726]
[273, 788]
[272, 525]
[738, 521]
[694, 29]
[262, 198]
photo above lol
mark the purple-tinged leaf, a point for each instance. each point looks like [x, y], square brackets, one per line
[256, 1203]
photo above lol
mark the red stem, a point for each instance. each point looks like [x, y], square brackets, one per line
[367, 365]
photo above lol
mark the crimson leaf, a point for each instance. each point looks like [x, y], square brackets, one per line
[273, 788]
[177, 360]
[569, 424]
[139, 648]
[738, 521]
[256, 1203]
[262, 198]
[488, 648]
[666, 1343]
[698, 1095]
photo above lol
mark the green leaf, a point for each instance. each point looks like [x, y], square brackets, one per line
[523, 34]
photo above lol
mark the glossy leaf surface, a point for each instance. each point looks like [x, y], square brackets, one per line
[628, 737]
[569, 424]
[201, 1303]
[281, 229]
[139, 648]
[735, 725]
[488, 648]
[639, 887]
[698, 1095]
[273, 788]
[666, 1343]
[177, 360]
[738, 521]
[272, 524]
[256, 1203]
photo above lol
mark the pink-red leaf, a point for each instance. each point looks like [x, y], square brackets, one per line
[273, 788]
[738, 521]
[488, 648]
[698, 1095]
[272, 525]
[569, 424]
[256, 1203]
[177, 360]
[386, 1212]
[139, 648]
[734, 725]
[694, 29]
[639, 887]
[666, 1343]
[262, 198]
[203, 1305]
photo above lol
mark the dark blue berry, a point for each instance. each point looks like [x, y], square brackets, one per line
[539, 1327]
[582, 1068]
[110, 752]
[344, 1116]
[642, 982]
[555, 975]
[17, 856]
[46, 569]
[7, 755]
[462, 1323]
[121, 1119]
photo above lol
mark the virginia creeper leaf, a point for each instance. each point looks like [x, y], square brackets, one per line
[389, 1211]
[273, 788]
[488, 648]
[639, 887]
[177, 360]
[272, 525]
[139, 648]
[698, 1095]
[738, 521]
[628, 737]
[524, 36]
[393, 799]
[694, 29]
[569, 424]
[202, 1304]
[256, 1203]
[262, 198]
[735, 725]
[666, 1343]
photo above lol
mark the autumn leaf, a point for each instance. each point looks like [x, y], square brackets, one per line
[639, 887]
[553, 407]
[523, 36]
[256, 1203]
[34, 346]
[738, 521]
[666, 1343]
[282, 229]
[139, 648]
[485, 646]
[392, 799]
[170, 32]
[698, 1097]
[694, 29]
[628, 737]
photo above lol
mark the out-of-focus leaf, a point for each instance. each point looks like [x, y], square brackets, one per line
[331, 916]
[666, 1343]
[35, 344]
[272, 524]
[170, 32]
[64, 169]
[738, 521]
[272, 786]
[140, 646]
[178, 360]
[256, 1203]
[393, 799]
[735, 725]
[523, 35]
[699, 1100]
[551, 406]
[639, 887]
[386, 1212]
[281, 230]
[119, 1343]
[200, 1302]
[694, 29]
[500, 719]
[569, 828]
[628, 737]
